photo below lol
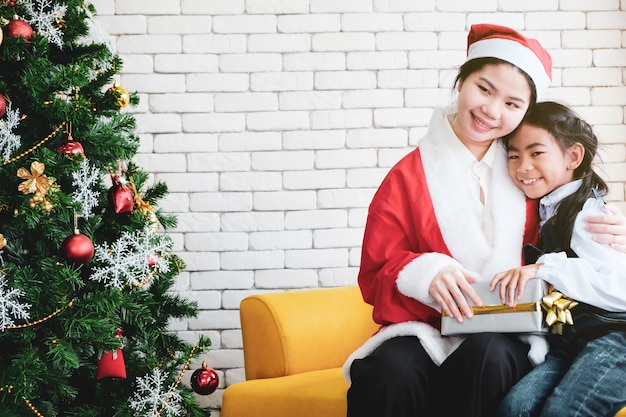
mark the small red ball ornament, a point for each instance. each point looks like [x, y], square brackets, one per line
[77, 249]
[3, 105]
[19, 28]
[204, 381]
[70, 147]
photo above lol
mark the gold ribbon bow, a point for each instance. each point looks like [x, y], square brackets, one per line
[558, 309]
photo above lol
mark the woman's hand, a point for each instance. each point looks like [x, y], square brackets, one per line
[513, 282]
[609, 228]
[449, 288]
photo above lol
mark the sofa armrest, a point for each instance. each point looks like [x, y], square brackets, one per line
[292, 332]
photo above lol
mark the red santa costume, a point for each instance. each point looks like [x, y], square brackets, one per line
[418, 223]
[441, 207]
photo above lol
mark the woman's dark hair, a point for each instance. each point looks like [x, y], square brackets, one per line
[473, 65]
[567, 129]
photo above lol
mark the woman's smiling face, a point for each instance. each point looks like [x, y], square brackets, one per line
[492, 102]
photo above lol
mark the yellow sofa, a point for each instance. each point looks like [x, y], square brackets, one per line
[294, 345]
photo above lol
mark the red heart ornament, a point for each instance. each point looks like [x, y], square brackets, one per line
[121, 197]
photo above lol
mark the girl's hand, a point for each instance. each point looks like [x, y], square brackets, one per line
[609, 228]
[513, 282]
[449, 288]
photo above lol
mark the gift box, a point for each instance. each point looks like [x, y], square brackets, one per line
[526, 317]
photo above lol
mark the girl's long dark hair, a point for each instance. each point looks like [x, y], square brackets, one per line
[568, 128]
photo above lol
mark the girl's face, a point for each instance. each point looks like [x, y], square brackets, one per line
[491, 103]
[537, 164]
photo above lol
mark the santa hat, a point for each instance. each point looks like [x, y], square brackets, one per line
[493, 41]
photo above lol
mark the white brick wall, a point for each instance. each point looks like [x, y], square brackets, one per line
[273, 122]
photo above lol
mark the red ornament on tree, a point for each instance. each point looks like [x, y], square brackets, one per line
[111, 364]
[70, 147]
[17, 27]
[121, 196]
[204, 381]
[77, 248]
[3, 105]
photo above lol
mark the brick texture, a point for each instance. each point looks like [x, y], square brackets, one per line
[274, 121]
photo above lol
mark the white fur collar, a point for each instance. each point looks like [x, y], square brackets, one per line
[463, 235]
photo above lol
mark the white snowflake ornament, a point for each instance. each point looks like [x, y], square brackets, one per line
[46, 18]
[152, 399]
[84, 179]
[10, 306]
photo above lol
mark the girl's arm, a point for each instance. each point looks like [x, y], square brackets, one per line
[597, 276]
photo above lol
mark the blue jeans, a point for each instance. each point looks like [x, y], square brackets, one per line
[590, 382]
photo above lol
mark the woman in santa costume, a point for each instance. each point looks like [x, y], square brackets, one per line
[448, 215]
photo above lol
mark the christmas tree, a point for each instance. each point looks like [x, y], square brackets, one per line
[86, 267]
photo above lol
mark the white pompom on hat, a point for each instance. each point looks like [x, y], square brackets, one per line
[494, 41]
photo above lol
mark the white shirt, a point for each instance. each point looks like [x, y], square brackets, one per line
[598, 275]
[479, 177]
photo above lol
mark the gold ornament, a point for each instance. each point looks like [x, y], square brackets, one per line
[35, 183]
[122, 96]
[3, 241]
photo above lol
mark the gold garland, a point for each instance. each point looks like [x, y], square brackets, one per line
[44, 140]
[180, 377]
[36, 322]
[9, 389]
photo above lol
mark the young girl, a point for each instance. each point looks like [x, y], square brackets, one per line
[445, 216]
[550, 157]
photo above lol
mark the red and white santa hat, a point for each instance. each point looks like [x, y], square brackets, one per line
[494, 41]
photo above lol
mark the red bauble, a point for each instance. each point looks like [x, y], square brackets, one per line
[18, 27]
[77, 249]
[3, 105]
[204, 381]
[71, 147]
[121, 196]
[111, 365]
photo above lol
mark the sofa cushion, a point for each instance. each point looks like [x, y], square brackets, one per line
[311, 394]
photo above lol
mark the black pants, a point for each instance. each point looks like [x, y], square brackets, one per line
[400, 380]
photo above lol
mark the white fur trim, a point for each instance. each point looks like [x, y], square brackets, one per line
[538, 347]
[415, 278]
[437, 346]
[441, 152]
[517, 54]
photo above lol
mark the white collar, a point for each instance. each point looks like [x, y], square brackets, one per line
[462, 150]
[549, 204]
